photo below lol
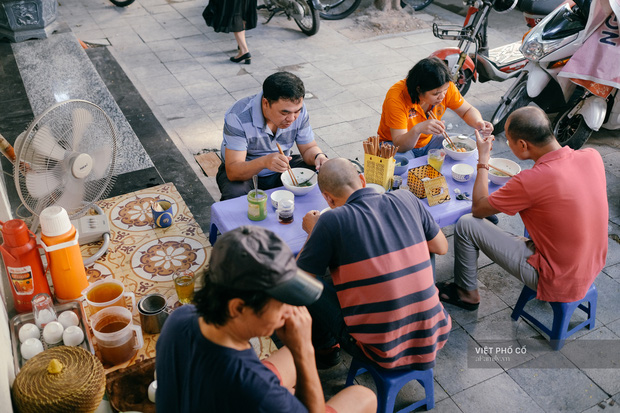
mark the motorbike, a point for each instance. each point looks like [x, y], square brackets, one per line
[582, 106]
[122, 3]
[304, 12]
[339, 9]
[482, 65]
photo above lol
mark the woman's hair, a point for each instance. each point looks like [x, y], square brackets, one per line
[428, 74]
[211, 301]
[283, 85]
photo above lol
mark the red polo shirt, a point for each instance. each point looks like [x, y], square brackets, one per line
[562, 201]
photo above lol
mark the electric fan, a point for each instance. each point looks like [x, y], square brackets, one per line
[67, 157]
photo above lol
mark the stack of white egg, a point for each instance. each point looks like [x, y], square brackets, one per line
[66, 329]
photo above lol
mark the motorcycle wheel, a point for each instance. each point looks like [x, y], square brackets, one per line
[517, 99]
[338, 9]
[122, 3]
[573, 131]
[464, 81]
[416, 4]
[311, 21]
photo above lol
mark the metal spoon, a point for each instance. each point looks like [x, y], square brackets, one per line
[255, 181]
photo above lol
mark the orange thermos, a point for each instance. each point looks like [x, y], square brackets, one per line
[23, 264]
[59, 239]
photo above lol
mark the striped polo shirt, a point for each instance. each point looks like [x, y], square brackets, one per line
[245, 129]
[375, 247]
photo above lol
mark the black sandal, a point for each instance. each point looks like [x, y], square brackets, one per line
[452, 296]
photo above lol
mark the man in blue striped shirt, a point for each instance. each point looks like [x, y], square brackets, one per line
[254, 126]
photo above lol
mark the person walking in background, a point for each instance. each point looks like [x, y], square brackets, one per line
[235, 16]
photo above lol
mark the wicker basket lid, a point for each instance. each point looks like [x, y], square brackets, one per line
[61, 379]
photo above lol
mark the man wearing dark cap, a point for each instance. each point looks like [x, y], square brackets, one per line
[205, 362]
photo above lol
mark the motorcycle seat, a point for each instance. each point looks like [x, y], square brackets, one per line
[540, 7]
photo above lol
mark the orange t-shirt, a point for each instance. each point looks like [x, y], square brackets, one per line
[400, 113]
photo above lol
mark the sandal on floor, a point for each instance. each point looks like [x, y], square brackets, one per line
[452, 296]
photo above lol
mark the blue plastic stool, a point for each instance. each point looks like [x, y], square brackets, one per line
[389, 383]
[562, 313]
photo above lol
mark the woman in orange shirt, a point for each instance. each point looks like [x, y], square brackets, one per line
[404, 119]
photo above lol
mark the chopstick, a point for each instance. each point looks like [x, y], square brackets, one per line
[501, 170]
[452, 145]
[288, 166]
[373, 146]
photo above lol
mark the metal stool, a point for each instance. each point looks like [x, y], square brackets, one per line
[389, 383]
[562, 313]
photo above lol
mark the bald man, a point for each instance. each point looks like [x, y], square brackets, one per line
[377, 248]
[562, 201]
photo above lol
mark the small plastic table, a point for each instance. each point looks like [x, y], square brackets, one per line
[232, 213]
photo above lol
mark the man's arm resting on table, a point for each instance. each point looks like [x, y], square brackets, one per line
[238, 169]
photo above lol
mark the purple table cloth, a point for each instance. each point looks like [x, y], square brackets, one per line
[231, 214]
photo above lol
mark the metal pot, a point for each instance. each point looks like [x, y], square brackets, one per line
[153, 312]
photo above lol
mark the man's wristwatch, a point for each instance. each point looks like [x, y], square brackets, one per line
[320, 153]
[483, 165]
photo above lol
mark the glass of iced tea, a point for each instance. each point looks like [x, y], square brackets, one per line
[184, 284]
[436, 158]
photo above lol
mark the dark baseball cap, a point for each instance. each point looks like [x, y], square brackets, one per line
[254, 258]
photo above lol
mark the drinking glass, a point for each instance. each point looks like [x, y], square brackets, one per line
[436, 158]
[184, 284]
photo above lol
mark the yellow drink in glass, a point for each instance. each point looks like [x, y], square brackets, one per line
[184, 285]
[436, 158]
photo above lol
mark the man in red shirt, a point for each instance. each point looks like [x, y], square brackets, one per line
[562, 201]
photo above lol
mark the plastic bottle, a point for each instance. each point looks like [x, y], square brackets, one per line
[23, 264]
[59, 239]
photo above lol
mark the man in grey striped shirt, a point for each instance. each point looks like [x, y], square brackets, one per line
[253, 126]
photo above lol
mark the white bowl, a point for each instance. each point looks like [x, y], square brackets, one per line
[462, 172]
[378, 188]
[468, 144]
[72, 336]
[281, 195]
[30, 348]
[301, 174]
[28, 330]
[68, 318]
[52, 333]
[507, 165]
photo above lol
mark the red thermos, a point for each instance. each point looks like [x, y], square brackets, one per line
[23, 264]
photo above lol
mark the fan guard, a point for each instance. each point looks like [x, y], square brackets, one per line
[66, 157]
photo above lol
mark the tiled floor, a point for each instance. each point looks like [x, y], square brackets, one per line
[171, 78]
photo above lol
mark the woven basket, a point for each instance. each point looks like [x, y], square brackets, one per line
[77, 387]
[415, 182]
